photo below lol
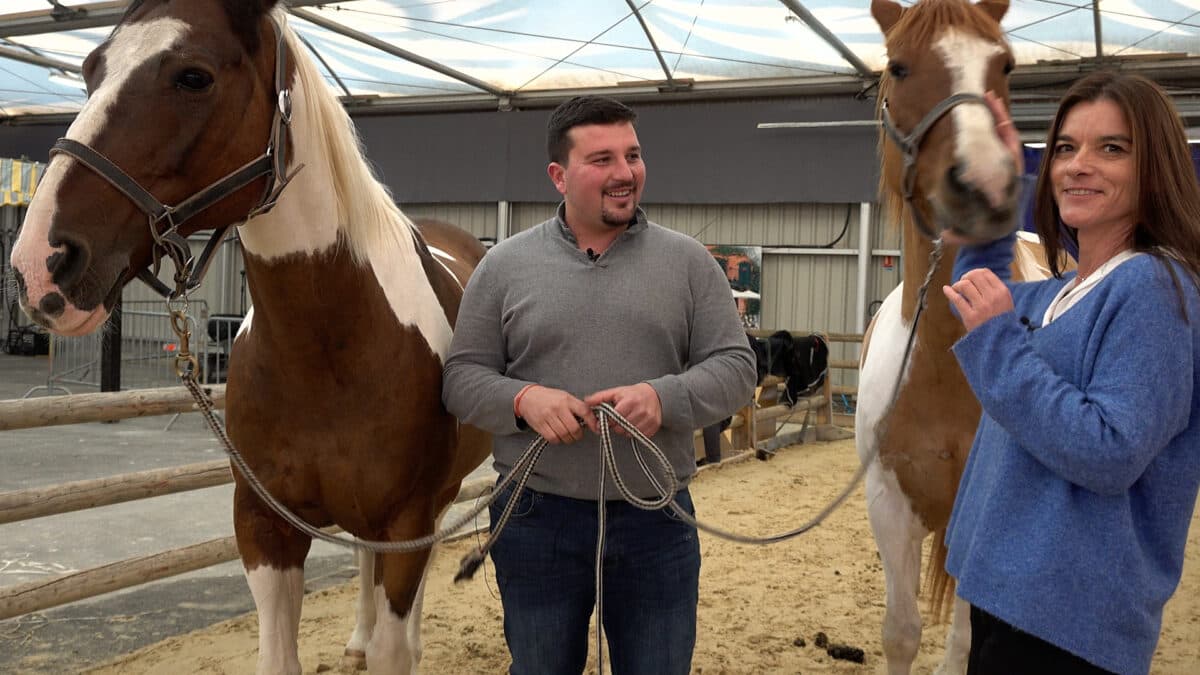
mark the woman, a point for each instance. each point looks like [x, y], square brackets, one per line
[1068, 533]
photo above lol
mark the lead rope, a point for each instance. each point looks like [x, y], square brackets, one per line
[186, 367]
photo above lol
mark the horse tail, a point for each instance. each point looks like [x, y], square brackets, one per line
[939, 585]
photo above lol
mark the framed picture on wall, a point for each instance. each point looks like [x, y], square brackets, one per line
[743, 268]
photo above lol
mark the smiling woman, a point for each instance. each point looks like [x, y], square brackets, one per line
[1084, 475]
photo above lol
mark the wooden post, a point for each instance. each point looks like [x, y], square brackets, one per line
[743, 434]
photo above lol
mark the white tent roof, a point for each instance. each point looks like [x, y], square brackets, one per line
[498, 52]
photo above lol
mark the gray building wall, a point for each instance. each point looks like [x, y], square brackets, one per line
[710, 152]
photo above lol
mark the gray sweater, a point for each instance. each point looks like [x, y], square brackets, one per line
[655, 308]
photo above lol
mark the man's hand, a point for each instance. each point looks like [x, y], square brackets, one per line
[555, 414]
[637, 403]
[979, 296]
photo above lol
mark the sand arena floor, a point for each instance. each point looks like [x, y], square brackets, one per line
[754, 601]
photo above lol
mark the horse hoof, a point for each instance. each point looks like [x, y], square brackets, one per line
[354, 659]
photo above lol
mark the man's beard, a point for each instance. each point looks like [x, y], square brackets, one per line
[615, 220]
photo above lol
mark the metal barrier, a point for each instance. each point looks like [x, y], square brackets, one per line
[148, 347]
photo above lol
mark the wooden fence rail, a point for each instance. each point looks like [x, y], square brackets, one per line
[749, 431]
[46, 593]
[51, 411]
[86, 494]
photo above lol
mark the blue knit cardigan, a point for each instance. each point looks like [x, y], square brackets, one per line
[1073, 510]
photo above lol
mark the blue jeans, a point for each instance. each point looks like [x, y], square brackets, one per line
[545, 568]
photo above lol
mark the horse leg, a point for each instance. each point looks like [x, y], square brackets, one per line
[395, 645]
[898, 534]
[958, 640]
[355, 656]
[273, 554]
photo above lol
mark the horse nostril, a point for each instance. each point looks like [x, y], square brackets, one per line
[68, 265]
[52, 305]
[954, 178]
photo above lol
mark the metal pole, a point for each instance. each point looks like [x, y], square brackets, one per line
[502, 214]
[864, 264]
[110, 351]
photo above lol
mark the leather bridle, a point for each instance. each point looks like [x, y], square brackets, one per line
[164, 220]
[910, 146]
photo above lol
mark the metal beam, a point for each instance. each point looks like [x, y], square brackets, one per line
[38, 60]
[828, 36]
[328, 69]
[1096, 29]
[389, 48]
[93, 15]
[646, 29]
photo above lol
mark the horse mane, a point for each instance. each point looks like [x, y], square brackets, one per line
[368, 218]
[917, 28]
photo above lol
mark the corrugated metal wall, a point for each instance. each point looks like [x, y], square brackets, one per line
[479, 219]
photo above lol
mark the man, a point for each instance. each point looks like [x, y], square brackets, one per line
[596, 305]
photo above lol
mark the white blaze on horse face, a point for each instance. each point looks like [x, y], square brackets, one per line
[131, 46]
[984, 161]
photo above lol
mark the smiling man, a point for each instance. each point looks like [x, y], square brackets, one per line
[597, 304]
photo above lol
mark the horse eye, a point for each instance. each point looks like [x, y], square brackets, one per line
[193, 80]
[898, 70]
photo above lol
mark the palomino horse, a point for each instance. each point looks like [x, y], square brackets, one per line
[334, 384]
[943, 167]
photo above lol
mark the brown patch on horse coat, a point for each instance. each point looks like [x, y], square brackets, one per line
[344, 423]
[929, 449]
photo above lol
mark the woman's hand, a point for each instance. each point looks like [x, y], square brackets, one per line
[979, 296]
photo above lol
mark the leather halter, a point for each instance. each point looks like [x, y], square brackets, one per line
[165, 220]
[910, 146]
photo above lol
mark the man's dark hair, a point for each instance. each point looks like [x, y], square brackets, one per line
[577, 112]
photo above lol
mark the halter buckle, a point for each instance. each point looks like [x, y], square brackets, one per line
[285, 105]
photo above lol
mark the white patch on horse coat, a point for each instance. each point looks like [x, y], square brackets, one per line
[130, 46]
[278, 595]
[395, 647]
[244, 329]
[364, 608]
[877, 381]
[439, 253]
[305, 222]
[986, 163]
[412, 299]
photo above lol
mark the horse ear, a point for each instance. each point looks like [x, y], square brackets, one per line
[886, 13]
[994, 8]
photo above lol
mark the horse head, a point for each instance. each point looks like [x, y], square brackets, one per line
[180, 96]
[941, 154]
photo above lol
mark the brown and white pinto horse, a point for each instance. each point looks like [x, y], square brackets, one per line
[942, 56]
[334, 387]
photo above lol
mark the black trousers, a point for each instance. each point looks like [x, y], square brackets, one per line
[999, 649]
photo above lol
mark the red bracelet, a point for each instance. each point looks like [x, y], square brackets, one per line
[518, 397]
